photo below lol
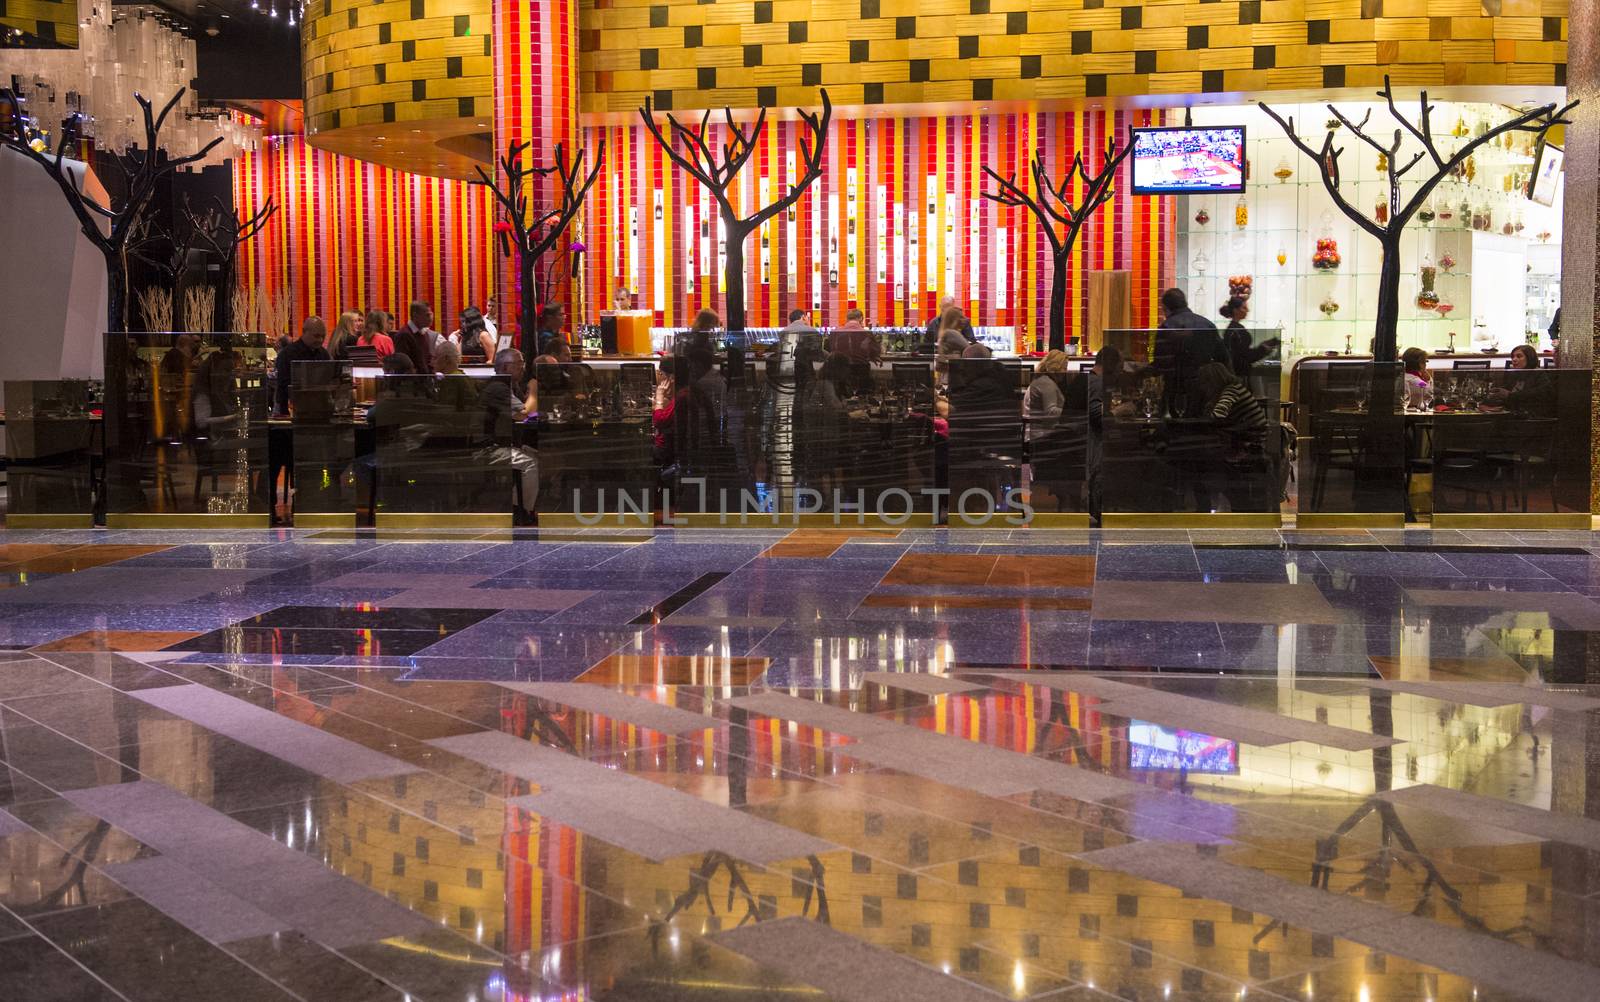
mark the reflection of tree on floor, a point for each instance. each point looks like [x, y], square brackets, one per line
[700, 887]
[1395, 846]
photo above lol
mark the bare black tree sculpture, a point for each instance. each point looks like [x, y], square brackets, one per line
[143, 169]
[702, 163]
[1053, 207]
[1539, 121]
[532, 232]
[221, 230]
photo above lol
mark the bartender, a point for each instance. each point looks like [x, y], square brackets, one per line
[622, 300]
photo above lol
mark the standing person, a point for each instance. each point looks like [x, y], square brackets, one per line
[547, 328]
[346, 332]
[308, 348]
[473, 337]
[950, 341]
[799, 348]
[1044, 398]
[930, 338]
[373, 336]
[503, 410]
[415, 339]
[1242, 351]
[1193, 343]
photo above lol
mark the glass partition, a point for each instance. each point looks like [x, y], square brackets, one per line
[1202, 441]
[592, 429]
[322, 431]
[1352, 433]
[186, 424]
[1501, 440]
[52, 443]
[450, 444]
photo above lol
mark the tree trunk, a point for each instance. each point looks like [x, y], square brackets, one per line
[733, 275]
[116, 294]
[1058, 303]
[527, 308]
[1386, 333]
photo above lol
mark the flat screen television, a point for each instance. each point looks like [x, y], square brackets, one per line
[1546, 174]
[1168, 749]
[1188, 161]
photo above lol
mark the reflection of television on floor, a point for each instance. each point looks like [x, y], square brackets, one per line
[1169, 749]
[1188, 160]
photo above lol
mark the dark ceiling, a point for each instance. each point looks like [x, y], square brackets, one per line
[244, 53]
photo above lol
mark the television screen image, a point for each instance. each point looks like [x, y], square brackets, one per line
[1186, 161]
[1169, 749]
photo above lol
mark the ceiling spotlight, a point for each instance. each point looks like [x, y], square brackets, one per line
[274, 11]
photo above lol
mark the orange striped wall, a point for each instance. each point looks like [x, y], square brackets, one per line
[995, 259]
[353, 235]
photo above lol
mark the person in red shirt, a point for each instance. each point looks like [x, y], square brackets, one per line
[854, 341]
[373, 336]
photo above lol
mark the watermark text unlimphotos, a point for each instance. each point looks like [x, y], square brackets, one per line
[895, 506]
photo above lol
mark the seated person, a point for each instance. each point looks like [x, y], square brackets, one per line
[854, 341]
[502, 410]
[455, 388]
[1045, 398]
[1419, 387]
[1230, 403]
[1528, 390]
[558, 373]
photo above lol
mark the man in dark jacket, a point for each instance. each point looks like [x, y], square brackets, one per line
[308, 348]
[1193, 342]
[415, 340]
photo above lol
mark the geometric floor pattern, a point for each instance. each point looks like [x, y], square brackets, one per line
[863, 765]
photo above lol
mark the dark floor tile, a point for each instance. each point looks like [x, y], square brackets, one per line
[311, 972]
[32, 969]
[292, 641]
[145, 955]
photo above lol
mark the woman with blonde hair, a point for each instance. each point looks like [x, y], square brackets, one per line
[951, 341]
[345, 333]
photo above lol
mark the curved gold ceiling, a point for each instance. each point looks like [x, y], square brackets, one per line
[403, 83]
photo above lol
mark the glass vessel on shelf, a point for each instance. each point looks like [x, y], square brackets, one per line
[1283, 256]
[1202, 217]
[1199, 264]
[1380, 210]
[1329, 306]
[1444, 307]
[1426, 213]
[1241, 213]
[1447, 261]
[1383, 163]
[1326, 257]
[1427, 299]
[1284, 171]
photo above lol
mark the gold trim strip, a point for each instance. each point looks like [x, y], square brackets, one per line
[22, 521]
[325, 520]
[1057, 520]
[1350, 520]
[444, 520]
[1513, 520]
[187, 520]
[1192, 520]
[570, 520]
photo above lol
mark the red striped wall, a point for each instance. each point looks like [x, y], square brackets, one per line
[998, 259]
[353, 235]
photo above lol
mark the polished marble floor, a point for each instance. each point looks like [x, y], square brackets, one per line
[863, 766]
